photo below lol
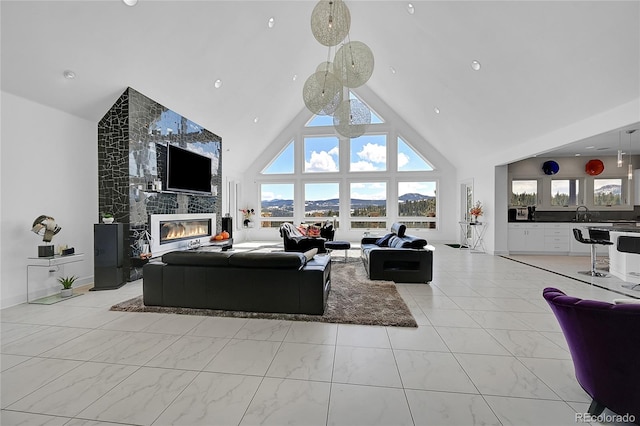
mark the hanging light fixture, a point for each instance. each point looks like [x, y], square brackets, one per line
[354, 63]
[326, 92]
[351, 118]
[330, 22]
[619, 149]
[322, 93]
[630, 166]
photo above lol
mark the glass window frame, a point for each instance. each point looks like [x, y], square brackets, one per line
[277, 219]
[368, 219]
[303, 166]
[580, 195]
[386, 148]
[432, 222]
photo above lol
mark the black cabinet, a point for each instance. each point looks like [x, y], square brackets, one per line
[227, 225]
[108, 257]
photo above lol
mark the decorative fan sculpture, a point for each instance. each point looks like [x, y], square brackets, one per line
[594, 167]
[47, 227]
[550, 167]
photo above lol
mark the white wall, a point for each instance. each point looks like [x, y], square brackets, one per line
[48, 166]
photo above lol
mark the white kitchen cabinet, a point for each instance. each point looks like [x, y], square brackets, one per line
[556, 237]
[526, 237]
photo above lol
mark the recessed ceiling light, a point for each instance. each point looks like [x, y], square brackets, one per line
[411, 9]
[272, 22]
[217, 84]
[392, 69]
[577, 155]
[69, 75]
[130, 2]
[589, 147]
[256, 119]
[437, 110]
[475, 65]
[295, 77]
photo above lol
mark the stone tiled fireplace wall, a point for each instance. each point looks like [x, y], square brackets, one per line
[132, 139]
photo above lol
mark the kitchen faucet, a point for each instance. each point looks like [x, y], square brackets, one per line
[584, 215]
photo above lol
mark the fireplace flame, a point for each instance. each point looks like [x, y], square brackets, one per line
[183, 230]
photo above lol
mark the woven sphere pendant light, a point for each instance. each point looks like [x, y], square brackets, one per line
[330, 22]
[351, 118]
[325, 66]
[322, 93]
[353, 64]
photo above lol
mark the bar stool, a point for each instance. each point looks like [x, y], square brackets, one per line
[601, 235]
[577, 233]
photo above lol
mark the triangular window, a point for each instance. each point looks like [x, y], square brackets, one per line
[327, 120]
[409, 160]
[283, 163]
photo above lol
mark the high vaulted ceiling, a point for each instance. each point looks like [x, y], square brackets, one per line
[545, 65]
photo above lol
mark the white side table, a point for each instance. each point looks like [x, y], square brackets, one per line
[472, 235]
[52, 263]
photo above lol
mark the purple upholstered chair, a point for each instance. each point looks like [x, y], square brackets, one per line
[604, 340]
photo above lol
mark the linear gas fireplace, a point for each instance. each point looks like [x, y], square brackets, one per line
[177, 231]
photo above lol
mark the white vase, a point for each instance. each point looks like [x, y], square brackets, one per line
[66, 292]
[107, 220]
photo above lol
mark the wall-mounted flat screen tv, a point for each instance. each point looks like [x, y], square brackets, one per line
[188, 171]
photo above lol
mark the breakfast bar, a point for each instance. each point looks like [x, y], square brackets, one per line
[624, 254]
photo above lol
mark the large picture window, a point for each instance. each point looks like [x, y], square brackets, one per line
[321, 199]
[321, 154]
[607, 192]
[368, 153]
[320, 175]
[565, 192]
[524, 192]
[368, 200]
[417, 204]
[276, 204]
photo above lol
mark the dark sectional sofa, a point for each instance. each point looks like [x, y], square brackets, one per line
[245, 281]
[398, 257]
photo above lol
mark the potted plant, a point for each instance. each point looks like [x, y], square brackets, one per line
[66, 282]
[107, 218]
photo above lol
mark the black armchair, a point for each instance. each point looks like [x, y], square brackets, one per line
[294, 240]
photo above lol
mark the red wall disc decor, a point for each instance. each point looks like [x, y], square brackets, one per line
[594, 167]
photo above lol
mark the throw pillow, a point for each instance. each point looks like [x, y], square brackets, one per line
[384, 241]
[396, 242]
[313, 231]
[418, 243]
[398, 229]
[302, 230]
[310, 253]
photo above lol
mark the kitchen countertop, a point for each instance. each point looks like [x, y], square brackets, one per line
[620, 221]
[635, 229]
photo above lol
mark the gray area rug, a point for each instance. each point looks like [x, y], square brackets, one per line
[353, 299]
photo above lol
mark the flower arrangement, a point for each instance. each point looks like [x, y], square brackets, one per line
[246, 215]
[476, 210]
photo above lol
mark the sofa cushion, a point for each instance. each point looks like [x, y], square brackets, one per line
[407, 241]
[397, 242]
[197, 258]
[384, 241]
[399, 229]
[415, 242]
[310, 253]
[273, 260]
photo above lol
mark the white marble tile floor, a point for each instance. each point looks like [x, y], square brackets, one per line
[487, 351]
